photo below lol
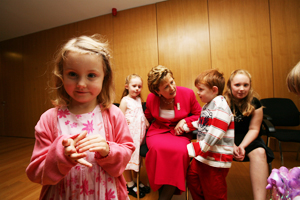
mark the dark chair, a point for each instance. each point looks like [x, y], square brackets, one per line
[282, 112]
[116, 104]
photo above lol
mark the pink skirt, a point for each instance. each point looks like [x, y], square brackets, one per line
[167, 160]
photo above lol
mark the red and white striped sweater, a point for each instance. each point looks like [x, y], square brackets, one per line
[216, 123]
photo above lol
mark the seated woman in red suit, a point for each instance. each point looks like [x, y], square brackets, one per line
[168, 107]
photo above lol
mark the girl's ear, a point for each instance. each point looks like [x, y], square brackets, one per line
[126, 86]
[215, 89]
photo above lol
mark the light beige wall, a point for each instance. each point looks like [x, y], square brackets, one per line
[187, 36]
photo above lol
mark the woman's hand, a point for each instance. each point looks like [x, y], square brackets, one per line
[238, 153]
[93, 143]
[179, 127]
[70, 150]
[147, 123]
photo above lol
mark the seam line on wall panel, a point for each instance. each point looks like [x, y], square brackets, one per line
[209, 36]
[157, 34]
[272, 55]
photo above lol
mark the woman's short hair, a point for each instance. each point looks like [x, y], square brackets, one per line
[155, 76]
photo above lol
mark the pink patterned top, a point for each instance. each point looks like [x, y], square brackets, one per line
[83, 182]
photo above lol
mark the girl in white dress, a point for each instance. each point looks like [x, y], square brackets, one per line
[83, 144]
[131, 106]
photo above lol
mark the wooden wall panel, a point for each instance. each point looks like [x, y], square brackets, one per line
[36, 76]
[13, 90]
[2, 102]
[38, 59]
[135, 45]
[58, 36]
[285, 26]
[98, 25]
[187, 36]
[102, 25]
[183, 39]
[240, 39]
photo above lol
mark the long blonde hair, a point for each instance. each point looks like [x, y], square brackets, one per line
[127, 81]
[293, 79]
[93, 45]
[244, 105]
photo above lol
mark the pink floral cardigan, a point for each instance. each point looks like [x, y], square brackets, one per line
[48, 164]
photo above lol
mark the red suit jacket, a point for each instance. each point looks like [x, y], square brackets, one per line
[185, 103]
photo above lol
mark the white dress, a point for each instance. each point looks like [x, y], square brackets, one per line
[83, 183]
[137, 126]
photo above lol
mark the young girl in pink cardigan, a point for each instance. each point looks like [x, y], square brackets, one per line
[83, 144]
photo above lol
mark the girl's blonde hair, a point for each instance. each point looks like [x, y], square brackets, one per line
[156, 76]
[293, 79]
[92, 45]
[127, 81]
[244, 105]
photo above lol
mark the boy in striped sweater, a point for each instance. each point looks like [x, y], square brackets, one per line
[213, 151]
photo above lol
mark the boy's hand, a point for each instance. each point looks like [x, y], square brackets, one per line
[70, 150]
[93, 143]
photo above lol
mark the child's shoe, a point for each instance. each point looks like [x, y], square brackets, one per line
[144, 188]
[133, 191]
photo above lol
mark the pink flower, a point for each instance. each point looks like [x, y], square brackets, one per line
[74, 180]
[61, 189]
[90, 169]
[63, 113]
[110, 180]
[89, 126]
[84, 187]
[78, 116]
[109, 195]
[91, 191]
[98, 179]
[67, 122]
[73, 125]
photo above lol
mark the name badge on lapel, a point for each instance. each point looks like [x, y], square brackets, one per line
[178, 106]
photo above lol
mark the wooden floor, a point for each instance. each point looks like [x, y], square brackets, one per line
[15, 154]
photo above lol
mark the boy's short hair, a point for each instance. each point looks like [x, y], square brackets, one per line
[211, 78]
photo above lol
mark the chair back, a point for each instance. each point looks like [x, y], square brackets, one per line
[283, 111]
